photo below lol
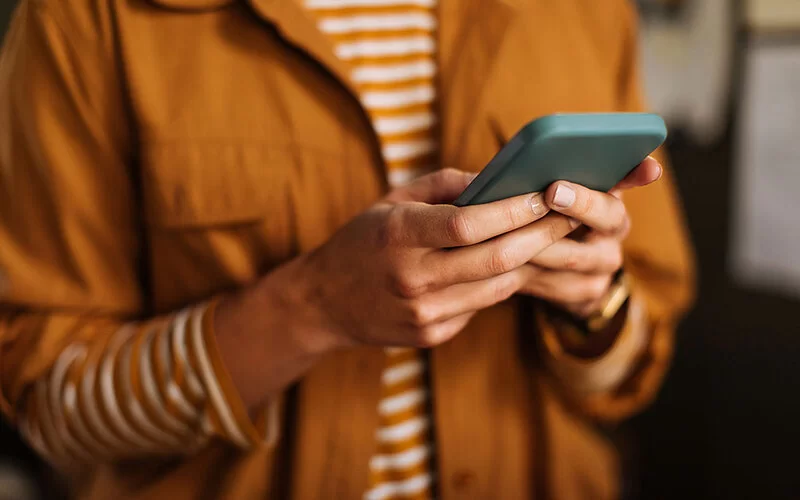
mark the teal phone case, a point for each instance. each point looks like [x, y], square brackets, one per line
[596, 150]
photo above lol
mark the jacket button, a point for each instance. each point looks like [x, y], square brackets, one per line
[463, 479]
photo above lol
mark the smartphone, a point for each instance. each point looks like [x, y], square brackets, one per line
[596, 150]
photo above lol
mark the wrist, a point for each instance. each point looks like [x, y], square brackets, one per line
[592, 334]
[289, 296]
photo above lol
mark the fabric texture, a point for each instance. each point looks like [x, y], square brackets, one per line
[156, 154]
[390, 48]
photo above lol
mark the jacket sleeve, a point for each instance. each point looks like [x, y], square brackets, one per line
[659, 261]
[83, 372]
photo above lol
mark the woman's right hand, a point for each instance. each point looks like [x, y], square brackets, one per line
[412, 269]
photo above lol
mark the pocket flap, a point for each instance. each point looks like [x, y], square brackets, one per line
[197, 184]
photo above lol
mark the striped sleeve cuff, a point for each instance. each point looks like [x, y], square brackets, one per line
[138, 389]
[604, 373]
[232, 417]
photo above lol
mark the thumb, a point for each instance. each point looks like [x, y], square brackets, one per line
[442, 186]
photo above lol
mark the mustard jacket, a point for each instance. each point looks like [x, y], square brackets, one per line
[158, 153]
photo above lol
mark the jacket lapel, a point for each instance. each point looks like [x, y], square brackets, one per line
[298, 28]
[471, 33]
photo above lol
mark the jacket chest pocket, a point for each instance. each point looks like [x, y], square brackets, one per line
[217, 215]
[200, 185]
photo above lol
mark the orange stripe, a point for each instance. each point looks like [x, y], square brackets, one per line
[381, 35]
[376, 60]
[429, 159]
[414, 135]
[413, 163]
[394, 85]
[401, 111]
[402, 416]
[370, 10]
[387, 475]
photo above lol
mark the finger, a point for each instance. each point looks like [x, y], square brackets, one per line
[565, 286]
[442, 186]
[448, 226]
[600, 211]
[595, 255]
[439, 333]
[497, 256]
[462, 298]
[645, 173]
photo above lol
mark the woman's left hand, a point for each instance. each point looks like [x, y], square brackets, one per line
[575, 273]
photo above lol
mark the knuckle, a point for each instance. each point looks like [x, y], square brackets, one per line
[408, 285]
[511, 215]
[459, 228]
[571, 259]
[619, 216]
[501, 260]
[596, 289]
[445, 177]
[428, 336]
[422, 314]
[448, 172]
[554, 232]
[505, 288]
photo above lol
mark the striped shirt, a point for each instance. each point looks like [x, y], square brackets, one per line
[159, 386]
[148, 388]
[390, 46]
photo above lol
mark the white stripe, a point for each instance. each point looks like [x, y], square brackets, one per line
[57, 403]
[401, 46]
[404, 123]
[403, 430]
[109, 393]
[175, 396]
[385, 22]
[390, 99]
[139, 416]
[75, 416]
[341, 4]
[179, 347]
[173, 392]
[408, 149]
[402, 372]
[91, 412]
[212, 385]
[401, 402]
[390, 73]
[400, 461]
[147, 379]
[58, 451]
[406, 487]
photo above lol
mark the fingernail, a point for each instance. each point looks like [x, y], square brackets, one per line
[564, 197]
[538, 205]
[573, 223]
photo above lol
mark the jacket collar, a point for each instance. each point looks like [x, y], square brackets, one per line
[481, 22]
[470, 35]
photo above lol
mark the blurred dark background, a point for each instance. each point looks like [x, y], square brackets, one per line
[727, 423]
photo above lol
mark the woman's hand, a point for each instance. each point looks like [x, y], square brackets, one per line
[575, 273]
[412, 270]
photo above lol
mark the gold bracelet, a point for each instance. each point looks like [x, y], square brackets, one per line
[616, 297]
